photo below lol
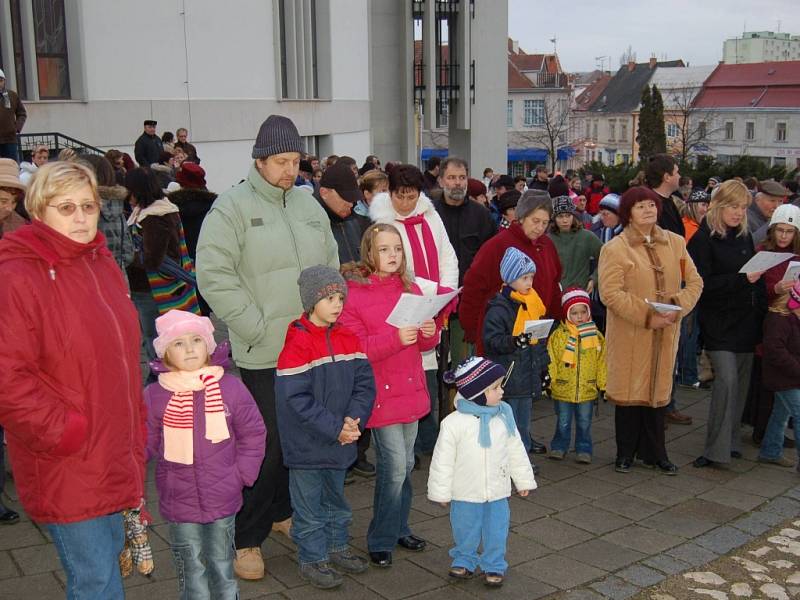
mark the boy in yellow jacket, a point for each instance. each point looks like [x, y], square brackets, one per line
[577, 374]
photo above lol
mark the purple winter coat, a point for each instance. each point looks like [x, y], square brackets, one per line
[211, 488]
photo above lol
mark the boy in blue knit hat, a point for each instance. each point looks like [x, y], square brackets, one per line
[505, 340]
[477, 455]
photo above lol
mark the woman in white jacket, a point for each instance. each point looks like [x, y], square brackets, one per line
[478, 454]
[429, 256]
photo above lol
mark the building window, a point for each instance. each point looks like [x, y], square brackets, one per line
[19, 56]
[594, 130]
[510, 114]
[50, 34]
[672, 130]
[780, 132]
[442, 118]
[612, 130]
[729, 130]
[623, 131]
[533, 113]
[588, 127]
[779, 161]
[701, 130]
[298, 49]
[749, 130]
[626, 158]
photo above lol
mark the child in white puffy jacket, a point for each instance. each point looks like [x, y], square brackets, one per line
[477, 454]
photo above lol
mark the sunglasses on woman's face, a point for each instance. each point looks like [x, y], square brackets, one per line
[67, 209]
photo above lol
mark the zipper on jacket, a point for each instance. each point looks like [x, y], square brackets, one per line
[330, 345]
[578, 372]
[291, 231]
[121, 340]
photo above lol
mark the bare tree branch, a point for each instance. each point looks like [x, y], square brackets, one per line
[551, 132]
[694, 125]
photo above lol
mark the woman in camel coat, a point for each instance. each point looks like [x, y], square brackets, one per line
[643, 263]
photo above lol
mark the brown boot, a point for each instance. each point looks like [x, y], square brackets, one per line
[678, 418]
[283, 527]
[248, 564]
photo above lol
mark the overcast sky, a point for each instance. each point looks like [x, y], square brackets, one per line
[689, 29]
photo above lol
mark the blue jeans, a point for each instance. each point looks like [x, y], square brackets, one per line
[89, 552]
[686, 363]
[521, 406]
[473, 522]
[203, 554]
[429, 424]
[787, 404]
[148, 313]
[582, 412]
[394, 450]
[10, 151]
[321, 514]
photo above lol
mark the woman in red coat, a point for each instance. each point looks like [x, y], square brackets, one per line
[69, 369]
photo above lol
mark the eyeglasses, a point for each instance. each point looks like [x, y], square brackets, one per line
[67, 209]
[782, 231]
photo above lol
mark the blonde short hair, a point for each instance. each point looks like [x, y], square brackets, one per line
[55, 178]
[728, 193]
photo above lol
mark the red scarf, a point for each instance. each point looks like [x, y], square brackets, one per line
[427, 269]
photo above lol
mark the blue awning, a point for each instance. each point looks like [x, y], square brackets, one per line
[565, 153]
[431, 152]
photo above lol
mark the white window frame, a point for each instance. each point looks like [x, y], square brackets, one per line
[510, 114]
[533, 113]
[729, 130]
[749, 130]
[780, 132]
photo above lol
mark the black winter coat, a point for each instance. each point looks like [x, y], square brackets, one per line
[194, 204]
[468, 226]
[148, 149]
[731, 309]
[499, 346]
[347, 232]
[670, 218]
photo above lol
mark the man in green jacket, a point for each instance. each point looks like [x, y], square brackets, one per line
[254, 242]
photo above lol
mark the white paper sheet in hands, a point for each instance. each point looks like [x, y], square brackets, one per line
[661, 307]
[539, 329]
[792, 272]
[411, 310]
[764, 260]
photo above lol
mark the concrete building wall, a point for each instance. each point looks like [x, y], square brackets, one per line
[761, 46]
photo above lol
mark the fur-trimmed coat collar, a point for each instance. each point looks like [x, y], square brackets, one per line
[635, 237]
[382, 211]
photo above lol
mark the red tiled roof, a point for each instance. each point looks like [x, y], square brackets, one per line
[752, 85]
[592, 92]
[527, 62]
[516, 80]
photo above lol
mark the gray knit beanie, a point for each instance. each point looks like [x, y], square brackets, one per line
[533, 200]
[276, 135]
[319, 282]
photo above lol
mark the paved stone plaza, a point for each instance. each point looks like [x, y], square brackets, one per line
[586, 533]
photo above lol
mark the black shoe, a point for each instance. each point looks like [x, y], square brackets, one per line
[702, 461]
[364, 468]
[665, 466]
[8, 516]
[537, 448]
[623, 465]
[413, 543]
[736, 454]
[381, 559]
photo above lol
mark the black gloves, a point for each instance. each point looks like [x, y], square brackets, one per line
[523, 340]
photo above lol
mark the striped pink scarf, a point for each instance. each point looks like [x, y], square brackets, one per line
[179, 414]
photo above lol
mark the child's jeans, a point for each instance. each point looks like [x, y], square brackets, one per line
[321, 514]
[473, 522]
[521, 406]
[203, 555]
[787, 404]
[582, 412]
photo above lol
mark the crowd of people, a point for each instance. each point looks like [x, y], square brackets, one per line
[563, 291]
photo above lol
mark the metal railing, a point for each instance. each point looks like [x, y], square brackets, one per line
[55, 142]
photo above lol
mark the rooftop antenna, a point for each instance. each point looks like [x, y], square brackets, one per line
[553, 41]
[779, 25]
[600, 61]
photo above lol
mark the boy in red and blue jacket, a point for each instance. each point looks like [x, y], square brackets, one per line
[324, 390]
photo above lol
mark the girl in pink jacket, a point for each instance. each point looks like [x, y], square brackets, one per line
[374, 287]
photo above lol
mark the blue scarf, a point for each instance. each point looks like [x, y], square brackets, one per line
[486, 413]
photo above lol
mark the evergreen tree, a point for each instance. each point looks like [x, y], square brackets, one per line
[644, 134]
[659, 131]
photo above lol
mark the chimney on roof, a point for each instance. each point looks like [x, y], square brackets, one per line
[653, 62]
[631, 65]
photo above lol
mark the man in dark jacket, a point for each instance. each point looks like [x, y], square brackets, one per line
[12, 119]
[183, 143]
[338, 193]
[468, 226]
[148, 147]
[663, 177]
[431, 175]
[540, 180]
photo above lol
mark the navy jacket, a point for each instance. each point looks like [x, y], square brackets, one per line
[323, 376]
[499, 346]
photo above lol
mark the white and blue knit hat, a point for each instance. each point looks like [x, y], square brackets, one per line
[276, 135]
[610, 202]
[473, 375]
[515, 264]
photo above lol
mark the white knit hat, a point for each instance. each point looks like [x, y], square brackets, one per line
[787, 214]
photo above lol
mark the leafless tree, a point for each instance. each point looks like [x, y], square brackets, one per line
[694, 125]
[628, 56]
[552, 129]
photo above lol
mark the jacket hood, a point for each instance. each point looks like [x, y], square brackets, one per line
[40, 242]
[193, 201]
[26, 167]
[382, 211]
[113, 193]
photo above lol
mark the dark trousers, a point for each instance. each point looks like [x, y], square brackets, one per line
[362, 445]
[10, 151]
[267, 502]
[640, 432]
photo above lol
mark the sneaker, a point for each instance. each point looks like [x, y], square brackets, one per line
[584, 458]
[348, 562]
[364, 468]
[623, 465]
[320, 575]
[781, 461]
[556, 454]
[284, 527]
[248, 564]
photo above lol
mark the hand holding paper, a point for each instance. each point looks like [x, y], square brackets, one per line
[413, 310]
[539, 329]
[764, 260]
